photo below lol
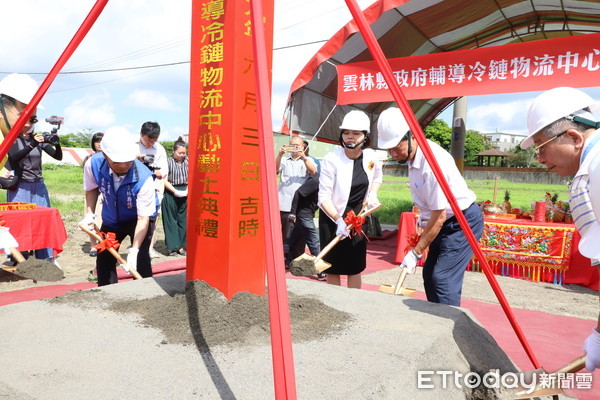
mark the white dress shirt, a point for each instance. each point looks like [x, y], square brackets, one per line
[427, 193]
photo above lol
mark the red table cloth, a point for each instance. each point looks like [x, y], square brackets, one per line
[37, 228]
[524, 249]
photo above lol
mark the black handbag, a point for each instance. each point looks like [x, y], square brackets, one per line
[373, 227]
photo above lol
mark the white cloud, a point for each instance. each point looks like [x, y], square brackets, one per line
[509, 117]
[91, 111]
[152, 100]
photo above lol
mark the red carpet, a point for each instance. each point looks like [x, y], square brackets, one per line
[556, 340]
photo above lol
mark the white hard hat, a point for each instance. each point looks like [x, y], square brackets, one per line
[119, 145]
[553, 105]
[588, 245]
[356, 120]
[391, 128]
[20, 87]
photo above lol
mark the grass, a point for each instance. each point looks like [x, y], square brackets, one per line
[395, 195]
[66, 193]
[65, 186]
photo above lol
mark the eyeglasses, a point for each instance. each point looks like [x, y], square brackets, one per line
[536, 149]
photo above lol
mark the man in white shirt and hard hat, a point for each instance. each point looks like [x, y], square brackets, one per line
[566, 137]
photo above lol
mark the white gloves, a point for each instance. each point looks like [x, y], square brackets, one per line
[7, 241]
[591, 348]
[131, 260]
[341, 228]
[410, 262]
[180, 193]
[372, 200]
[88, 220]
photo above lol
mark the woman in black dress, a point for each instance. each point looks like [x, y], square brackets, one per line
[350, 178]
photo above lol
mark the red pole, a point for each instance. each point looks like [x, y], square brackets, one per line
[413, 123]
[281, 338]
[62, 60]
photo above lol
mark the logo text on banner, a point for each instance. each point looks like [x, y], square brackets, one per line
[522, 67]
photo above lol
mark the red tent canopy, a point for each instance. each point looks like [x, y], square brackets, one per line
[408, 28]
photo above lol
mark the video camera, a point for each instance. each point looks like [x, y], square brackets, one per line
[148, 161]
[52, 136]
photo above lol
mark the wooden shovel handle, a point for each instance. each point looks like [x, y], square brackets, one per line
[574, 366]
[16, 255]
[401, 279]
[339, 237]
[116, 255]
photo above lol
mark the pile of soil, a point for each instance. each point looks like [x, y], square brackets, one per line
[202, 316]
[39, 270]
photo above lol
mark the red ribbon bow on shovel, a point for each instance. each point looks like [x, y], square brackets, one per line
[412, 242]
[109, 240]
[357, 222]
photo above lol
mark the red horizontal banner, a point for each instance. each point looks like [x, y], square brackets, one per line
[522, 67]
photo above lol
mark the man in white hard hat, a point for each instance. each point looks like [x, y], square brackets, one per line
[129, 203]
[293, 167]
[566, 137]
[449, 250]
[16, 91]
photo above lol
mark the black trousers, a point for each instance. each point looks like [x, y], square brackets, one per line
[106, 264]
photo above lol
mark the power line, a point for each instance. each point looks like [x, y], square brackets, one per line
[151, 66]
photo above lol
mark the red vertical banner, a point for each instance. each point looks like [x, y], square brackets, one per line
[225, 235]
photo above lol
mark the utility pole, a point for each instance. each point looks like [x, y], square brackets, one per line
[459, 122]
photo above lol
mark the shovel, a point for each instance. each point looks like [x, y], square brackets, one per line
[399, 289]
[307, 265]
[112, 251]
[552, 387]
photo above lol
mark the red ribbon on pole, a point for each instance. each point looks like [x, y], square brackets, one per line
[62, 60]
[109, 240]
[415, 128]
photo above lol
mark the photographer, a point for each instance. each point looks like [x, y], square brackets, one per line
[153, 155]
[30, 188]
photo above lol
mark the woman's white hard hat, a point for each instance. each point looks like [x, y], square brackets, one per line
[391, 128]
[119, 145]
[20, 87]
[553, 105]
[356, 120]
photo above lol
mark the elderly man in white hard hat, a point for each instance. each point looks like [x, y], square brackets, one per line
[16, 91]
[566, 137]
[449, 250]
[129, 205]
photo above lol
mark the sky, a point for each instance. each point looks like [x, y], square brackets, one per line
[130, 34]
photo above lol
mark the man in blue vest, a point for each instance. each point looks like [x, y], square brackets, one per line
[129, 202]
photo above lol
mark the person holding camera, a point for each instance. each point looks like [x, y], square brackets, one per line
[26, 153]
[153, 155]
[16, 91]
[293, 170]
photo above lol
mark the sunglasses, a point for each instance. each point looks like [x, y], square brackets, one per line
[536, 149]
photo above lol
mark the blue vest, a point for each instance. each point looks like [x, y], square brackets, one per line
[120, 206]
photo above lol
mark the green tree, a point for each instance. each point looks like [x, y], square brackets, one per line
[475, 143]
[523, 158]
[81, 138]
[438, 131]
